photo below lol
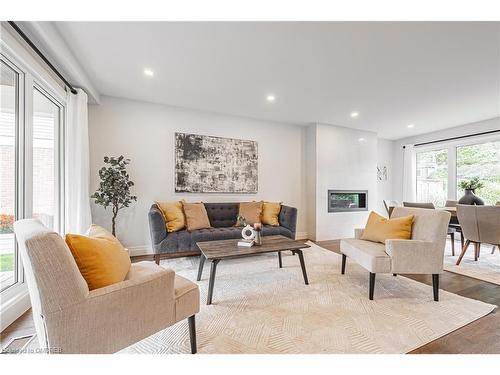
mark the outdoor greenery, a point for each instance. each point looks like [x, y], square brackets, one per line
[477, 165]
[6, 262]
[114, 188]
[481, 161]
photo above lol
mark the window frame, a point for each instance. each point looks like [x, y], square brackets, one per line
[31, 76]
[452, 146]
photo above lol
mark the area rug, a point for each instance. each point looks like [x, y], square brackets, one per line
[260, 308]
[487, 267]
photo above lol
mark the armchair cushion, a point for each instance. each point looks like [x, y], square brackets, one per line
[187, 298]
[370, 255]
[415, 256]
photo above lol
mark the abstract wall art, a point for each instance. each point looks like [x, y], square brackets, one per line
[207, 164]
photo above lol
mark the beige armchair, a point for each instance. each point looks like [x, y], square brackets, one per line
[422, 254]
[71, 319]
[480, 224]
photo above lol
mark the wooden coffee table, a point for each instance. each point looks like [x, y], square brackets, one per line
[215, 251]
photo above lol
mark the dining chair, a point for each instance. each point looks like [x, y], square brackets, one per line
[389, 206]
[480, 224]
[430, 206]
[454, 221]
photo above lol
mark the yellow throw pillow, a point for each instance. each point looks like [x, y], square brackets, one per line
[379, 229]
[270, 213]
[100, 257]
[173, 213]
[196, 216]
[251, 211]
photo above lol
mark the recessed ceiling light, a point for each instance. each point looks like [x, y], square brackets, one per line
[411, 126]
[354, 114]
[270, 98]
[149, 72]
[361, 139]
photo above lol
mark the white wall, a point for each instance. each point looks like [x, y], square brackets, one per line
[384, 188]
[144, 133]
[463, 130]
[344, 159]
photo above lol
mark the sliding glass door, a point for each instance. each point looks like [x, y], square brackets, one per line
[31, 144]
[9, 120]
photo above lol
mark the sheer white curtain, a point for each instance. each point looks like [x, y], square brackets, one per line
[77, 208]
[409, 173]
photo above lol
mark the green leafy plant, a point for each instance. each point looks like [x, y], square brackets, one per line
[471, 184]
[241, 221]
[114, 188]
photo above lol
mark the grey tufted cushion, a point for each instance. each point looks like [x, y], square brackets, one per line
[222, 217]
[222, 214]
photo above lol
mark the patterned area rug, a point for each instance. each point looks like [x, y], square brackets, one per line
[487, 267]
[259, 308]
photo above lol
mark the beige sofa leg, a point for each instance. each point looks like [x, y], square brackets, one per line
[157, 259]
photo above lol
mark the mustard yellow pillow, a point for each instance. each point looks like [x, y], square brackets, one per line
[251, 211]
[270, 213]
[173, 213]
[102, 260]
[196, 216]
[379, 229]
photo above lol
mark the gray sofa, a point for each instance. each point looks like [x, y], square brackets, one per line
[222, 218]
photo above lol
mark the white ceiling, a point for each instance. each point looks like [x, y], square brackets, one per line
[434, 75]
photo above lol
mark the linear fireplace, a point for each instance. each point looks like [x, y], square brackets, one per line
[347, 200]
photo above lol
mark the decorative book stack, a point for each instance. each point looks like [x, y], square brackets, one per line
[245, 243]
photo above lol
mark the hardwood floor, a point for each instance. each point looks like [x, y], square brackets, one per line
[481, 336]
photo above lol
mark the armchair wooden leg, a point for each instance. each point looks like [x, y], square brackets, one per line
[372, 286]
[435, 286]
[157, 259]
[493, 250]
[192, 334]
[343, 263]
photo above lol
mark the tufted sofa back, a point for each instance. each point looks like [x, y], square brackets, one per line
[222, 214]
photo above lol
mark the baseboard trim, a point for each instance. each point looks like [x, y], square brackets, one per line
[14, 307]
[301, 236]
[140, 250]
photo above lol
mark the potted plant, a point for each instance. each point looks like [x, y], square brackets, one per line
[114, 188]
[470, 186]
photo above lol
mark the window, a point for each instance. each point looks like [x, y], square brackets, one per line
[31, 122]
[441, 169]
[46, 118]
[9, 117]
[432, 176]
[480, 160]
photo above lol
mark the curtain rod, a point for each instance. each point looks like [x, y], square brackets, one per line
[39, 53]
[455, 138]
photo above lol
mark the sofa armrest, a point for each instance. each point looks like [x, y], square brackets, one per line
[358, 232]
[288, 218]
[415, 256]
[157, 227]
